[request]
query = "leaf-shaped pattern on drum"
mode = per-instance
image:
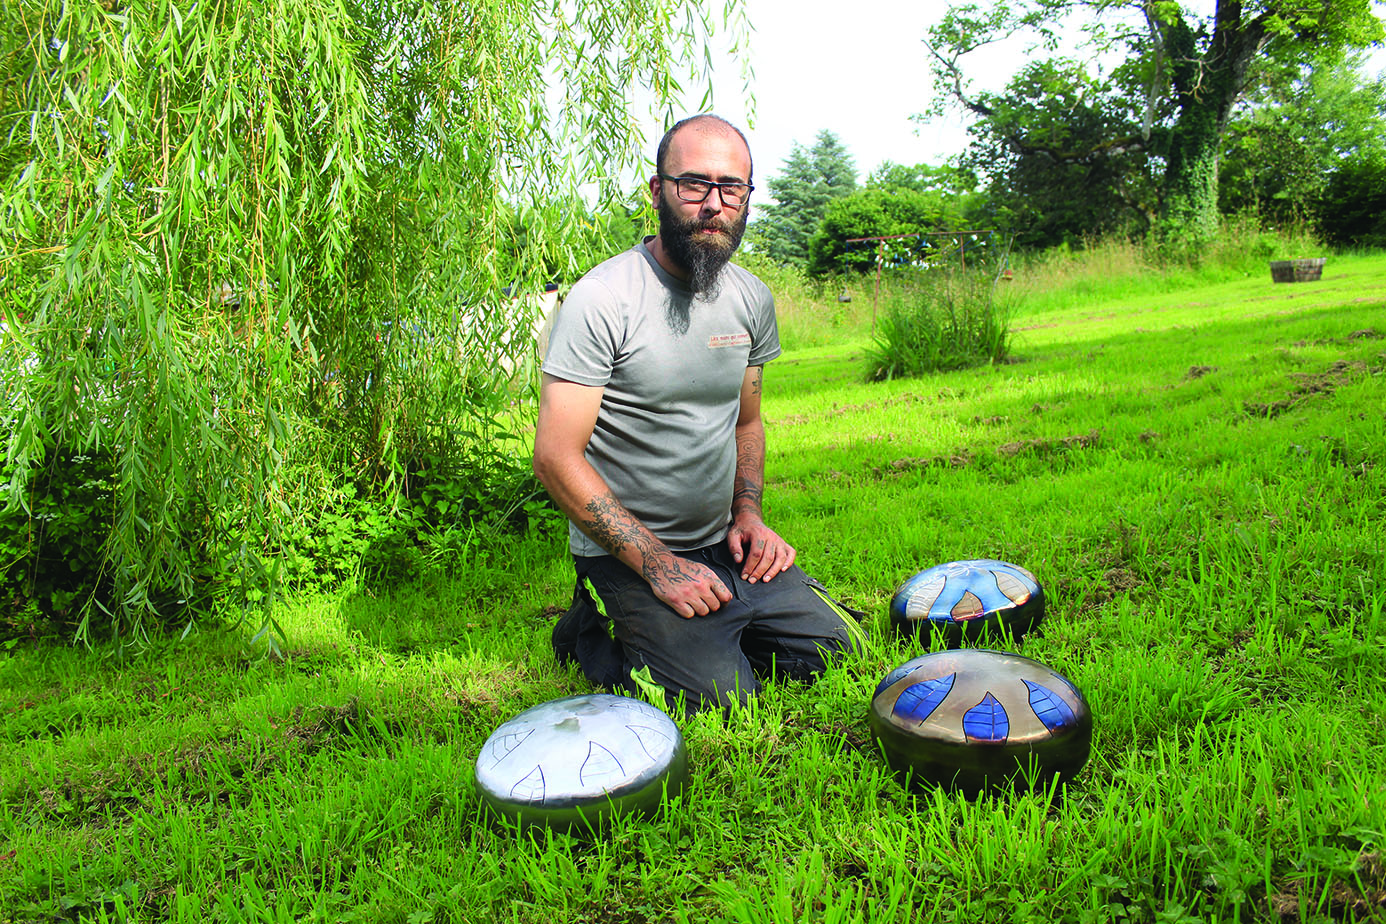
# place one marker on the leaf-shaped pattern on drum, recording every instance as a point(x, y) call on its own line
point(987, 722)
point(1050, 708)
point(900, 673)
point(531, 788)
point(656, 744)
point(503, 746)
point(919, 700)
point(600, 764)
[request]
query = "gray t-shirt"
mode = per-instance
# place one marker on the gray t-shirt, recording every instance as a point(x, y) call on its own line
point(665, 434)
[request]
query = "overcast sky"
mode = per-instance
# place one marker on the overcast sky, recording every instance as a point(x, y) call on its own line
point(860, 71)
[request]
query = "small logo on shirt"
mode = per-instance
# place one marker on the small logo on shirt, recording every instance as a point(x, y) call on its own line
point(719, 341)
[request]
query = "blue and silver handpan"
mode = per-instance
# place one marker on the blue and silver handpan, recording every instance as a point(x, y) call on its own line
point(573, 763)
point(966, 600)
point(972, 719)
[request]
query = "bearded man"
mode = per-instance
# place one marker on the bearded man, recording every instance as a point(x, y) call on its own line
point(650, 440)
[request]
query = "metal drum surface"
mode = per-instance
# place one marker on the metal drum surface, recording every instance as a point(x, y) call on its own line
point(971, 719)
point(965, 600)
point(574, 762)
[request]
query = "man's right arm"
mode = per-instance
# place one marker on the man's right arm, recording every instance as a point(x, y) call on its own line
point(567, 416)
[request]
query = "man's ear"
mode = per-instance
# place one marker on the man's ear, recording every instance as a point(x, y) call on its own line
point(655, 185)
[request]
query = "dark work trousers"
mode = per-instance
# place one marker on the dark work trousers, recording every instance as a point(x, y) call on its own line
point(781, 626)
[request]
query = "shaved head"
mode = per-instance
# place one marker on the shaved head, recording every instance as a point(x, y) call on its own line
point(704, 122)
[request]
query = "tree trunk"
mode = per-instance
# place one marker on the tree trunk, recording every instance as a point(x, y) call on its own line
point(1206, 86)
point(1189, 198)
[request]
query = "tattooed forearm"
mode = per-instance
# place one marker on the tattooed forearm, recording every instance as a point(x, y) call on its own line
point(747, 499)
point(748, 488)
point(617, 530)
point(611, 525)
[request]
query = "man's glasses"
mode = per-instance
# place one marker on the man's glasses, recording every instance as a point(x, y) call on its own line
point(694, 189)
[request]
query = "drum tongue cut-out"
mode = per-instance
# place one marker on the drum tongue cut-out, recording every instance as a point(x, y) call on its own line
point(574, 762)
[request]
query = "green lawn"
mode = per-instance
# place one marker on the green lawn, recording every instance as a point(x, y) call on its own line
point(1195, 472)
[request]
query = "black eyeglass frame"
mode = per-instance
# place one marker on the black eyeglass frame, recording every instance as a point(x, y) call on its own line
point(678, 182)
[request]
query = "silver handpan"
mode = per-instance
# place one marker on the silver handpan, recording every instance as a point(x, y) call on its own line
point(965, 600)
point(574, 762)
point(972, 719)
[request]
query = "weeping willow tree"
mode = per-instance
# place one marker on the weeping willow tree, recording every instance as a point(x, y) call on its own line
point(251, 243)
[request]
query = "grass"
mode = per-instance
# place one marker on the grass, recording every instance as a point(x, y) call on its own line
point(1195, 468)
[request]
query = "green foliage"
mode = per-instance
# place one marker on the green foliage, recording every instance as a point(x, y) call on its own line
point(249, 243)
point(1301, 126)
point(939, 320)
point(896, 201)
point(1057, 167)
point(809, 180)
point(872, 213)
point(1351, 212)
point(947, 178)
point(50, 557)
point(1183, 75)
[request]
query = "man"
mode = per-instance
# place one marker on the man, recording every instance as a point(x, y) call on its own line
point(650, 439)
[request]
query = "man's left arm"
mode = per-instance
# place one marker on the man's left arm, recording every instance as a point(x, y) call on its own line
point(758, 548)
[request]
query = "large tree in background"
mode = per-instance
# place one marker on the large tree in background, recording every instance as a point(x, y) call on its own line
point(257, 247)
point(808, 181)
point(1068, 180)
point(1195, 62)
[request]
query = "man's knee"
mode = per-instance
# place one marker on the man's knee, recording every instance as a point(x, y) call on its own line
point(805, 658)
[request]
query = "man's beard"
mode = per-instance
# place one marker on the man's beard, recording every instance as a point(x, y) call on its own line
point(700, 255)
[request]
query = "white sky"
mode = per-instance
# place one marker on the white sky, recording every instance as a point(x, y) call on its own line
point(860, 71)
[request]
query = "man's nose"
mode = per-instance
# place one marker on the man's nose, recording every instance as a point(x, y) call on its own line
point(711, 205)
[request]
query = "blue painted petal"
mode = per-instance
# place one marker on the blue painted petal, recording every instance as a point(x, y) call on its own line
point(898, 674)
point(1050, 709)
point(919, 701)
point(987, 721)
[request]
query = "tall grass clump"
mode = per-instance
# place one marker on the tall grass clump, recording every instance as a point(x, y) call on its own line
point(254, 247)
point(940, 319)
point(1115, 268)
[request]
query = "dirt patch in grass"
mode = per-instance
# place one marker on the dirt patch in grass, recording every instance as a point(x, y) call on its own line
point(1369, 333)
point(1311, 384)
point(1363, 899)
point(1044, 447)
point(901, 466)
point(1198, 372)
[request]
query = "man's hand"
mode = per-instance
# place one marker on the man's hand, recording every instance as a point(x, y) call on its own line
point(759, 550)
point(687, 587)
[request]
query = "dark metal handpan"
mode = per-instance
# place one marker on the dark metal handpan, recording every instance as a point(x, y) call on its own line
point(574, 762)
point(965, 600)
point(973, 719)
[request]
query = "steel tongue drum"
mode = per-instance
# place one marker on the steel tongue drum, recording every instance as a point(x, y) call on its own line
point(575, 762)
point(967, 600)
point(974, 719)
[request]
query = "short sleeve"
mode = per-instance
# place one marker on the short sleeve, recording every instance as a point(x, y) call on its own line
point(765, 330)
point(587, 335)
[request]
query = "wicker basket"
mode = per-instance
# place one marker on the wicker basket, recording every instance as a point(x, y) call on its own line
point(1307, 270)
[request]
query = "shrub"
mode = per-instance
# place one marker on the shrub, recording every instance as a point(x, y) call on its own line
point(1352, 210)
point(942, 319)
